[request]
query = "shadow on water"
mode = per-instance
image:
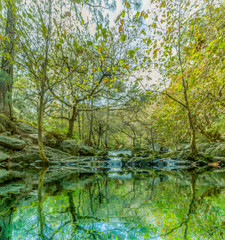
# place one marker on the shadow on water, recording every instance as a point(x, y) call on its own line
point(72, 203)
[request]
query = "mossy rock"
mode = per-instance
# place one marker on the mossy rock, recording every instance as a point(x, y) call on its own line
point(12, 143)
point(74, 148)
point(54, 139)
point(102, 153)
point(26, 127)
point(7, 124)
point(217, 150)
point(137, 150)
point(2, 128)
point(3, 156)
point(120, 155)
point(28, 157)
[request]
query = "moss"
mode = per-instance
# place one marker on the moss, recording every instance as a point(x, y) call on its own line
point(35, 125)
point(218, 150)
point(2, 128)
point(7, 123)
point(54, 139)
point(120, 155)
point(102, 152)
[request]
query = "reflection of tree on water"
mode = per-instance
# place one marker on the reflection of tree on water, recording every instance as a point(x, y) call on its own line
point(194, 202)
point(40, 202)
point(94, 206)
point(76, 217)
point(8, 205)
point(6, 217)
point(81, 222)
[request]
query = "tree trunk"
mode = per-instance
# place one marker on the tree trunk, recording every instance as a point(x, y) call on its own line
point(99, 138)
point(193, 148)
point(133, 141)
point(152, 140)
point(40, 126)
point(82, 126)
point(42, 90)
point(6, 82)
point(107, 126)
point(79, 127)
point(72, 121)
point(91, 124)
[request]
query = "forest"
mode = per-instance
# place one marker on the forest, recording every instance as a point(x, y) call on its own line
point(112, 122)
point(113, 75)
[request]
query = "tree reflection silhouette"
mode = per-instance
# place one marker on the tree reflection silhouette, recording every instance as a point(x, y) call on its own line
point(40, 202)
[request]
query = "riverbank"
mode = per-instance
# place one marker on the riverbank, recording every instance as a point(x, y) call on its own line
point(18, 145)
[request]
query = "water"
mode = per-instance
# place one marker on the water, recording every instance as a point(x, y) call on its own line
point(115, 153)
point(97, 203)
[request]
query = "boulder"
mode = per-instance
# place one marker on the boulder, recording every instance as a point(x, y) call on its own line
point(74, 148)
point(102, 152)
point(26, 128)
point(141, 151)
point(32, 155)
point(28, 157)
point(7, 124)
point(2, 128)
point(12, 143)
point(53, 139)
point(217, 150)
point(34, 138)
point(3, 156)
point(55, 154)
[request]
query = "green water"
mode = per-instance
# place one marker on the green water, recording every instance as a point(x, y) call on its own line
point(63, 203)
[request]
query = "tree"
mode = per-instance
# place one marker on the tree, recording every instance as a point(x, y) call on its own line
point(34, 56)
point(169, 21)
point(92, 69)
point(6, 74)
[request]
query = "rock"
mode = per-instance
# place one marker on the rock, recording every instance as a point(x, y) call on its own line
point(7, 124)
point(218, 149)
point(120, 155)
point(33, 155)
point(55, 154)
point(143, 151)
point(26, 128)
point(102, 153)
point(34, 138)
point(75, 148)
point(28, 141)
point(203, 147)
point(27, 157)
point(2, 128)
point(54, 139)
point(3, 156)
point(12, 143)
point(137, 150)
point(6, 134)
point(70, 147)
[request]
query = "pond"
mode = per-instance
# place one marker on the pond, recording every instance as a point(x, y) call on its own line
point(64, 202)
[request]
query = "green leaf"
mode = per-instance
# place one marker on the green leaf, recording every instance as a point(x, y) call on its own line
point(89, 43)
point(123, 38)
point(149, 41)
point(131, 53)
point(104, 32)
point(143, 32)
point(122, 13)
point(137, 14)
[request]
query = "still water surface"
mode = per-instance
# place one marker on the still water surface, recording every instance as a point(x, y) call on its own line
point(68, 203)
